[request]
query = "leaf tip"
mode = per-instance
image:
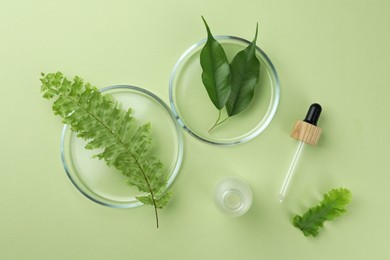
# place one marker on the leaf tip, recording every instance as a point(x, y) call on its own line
point(207, 27)
point(257, 29)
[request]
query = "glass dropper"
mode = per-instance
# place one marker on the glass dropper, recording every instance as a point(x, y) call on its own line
point(306, 132)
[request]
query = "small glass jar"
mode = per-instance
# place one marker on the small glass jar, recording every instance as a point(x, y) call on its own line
point(233, 196)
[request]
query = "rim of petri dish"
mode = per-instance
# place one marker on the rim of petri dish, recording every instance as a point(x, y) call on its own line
point(105, 185)
point(186, 89)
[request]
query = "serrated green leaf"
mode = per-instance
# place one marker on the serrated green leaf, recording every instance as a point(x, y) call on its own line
point(332, 205)
point(245, 71)
point(101, 121)
point(216, 70)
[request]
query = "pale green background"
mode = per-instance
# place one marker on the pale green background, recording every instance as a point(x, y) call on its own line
point(335, 52)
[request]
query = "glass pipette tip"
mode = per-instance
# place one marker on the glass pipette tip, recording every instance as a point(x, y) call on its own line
point(291, 171)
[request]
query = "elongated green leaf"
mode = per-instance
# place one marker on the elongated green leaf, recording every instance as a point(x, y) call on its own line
point(332, 205)
point(245, 71)
point(216, 70)
point(101, 121)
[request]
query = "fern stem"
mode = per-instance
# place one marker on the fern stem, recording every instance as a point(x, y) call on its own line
point(124, 145)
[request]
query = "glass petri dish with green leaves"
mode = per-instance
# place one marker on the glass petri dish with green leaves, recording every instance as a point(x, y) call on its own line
point(194, 110)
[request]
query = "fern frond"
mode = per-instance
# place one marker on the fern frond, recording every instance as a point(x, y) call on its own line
point(332, 205)
point(163, 200)
point(101, 121)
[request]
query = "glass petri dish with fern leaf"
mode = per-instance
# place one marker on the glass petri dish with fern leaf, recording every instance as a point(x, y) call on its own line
point(106, 185)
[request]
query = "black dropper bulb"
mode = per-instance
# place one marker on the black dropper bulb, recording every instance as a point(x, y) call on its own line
point(313, 114)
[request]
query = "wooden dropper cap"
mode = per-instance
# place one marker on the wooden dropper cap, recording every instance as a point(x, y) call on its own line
point(307, 130)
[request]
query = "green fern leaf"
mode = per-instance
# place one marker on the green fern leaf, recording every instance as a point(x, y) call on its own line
point(101, 121)
point(163, 199)
point(332, 205)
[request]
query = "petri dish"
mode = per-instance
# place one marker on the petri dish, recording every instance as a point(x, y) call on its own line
point(196, 113)
point(106, 185)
